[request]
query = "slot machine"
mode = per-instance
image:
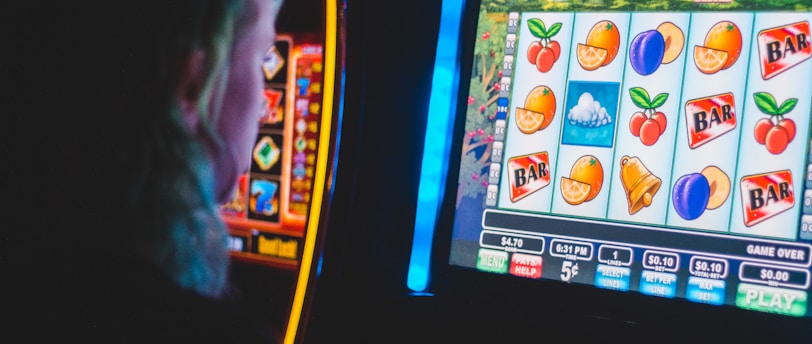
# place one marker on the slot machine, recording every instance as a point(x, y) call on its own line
point(274, 214)
point(634, 171)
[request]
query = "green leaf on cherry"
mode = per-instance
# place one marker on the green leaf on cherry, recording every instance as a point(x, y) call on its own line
point(766, 103)
point(787, 106)
point(537, 28)
point(658, 100)
point(554, 30)
point(640, 97)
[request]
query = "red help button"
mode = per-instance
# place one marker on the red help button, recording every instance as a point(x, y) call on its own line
point(525, 265)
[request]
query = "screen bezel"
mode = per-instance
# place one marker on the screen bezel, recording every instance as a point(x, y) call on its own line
point(558, 305)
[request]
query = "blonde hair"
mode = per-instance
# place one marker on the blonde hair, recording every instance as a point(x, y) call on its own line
point(196, 254)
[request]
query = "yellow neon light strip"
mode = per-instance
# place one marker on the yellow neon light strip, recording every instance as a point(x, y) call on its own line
point(321, 174)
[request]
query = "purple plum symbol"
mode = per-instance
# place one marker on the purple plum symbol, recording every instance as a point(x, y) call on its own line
point(647, 51)
point(690, 196)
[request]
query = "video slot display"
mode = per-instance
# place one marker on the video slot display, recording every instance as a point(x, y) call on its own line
point(665, 153)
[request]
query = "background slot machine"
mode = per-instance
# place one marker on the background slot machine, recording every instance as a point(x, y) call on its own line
point(274, 215)
point(612, 171)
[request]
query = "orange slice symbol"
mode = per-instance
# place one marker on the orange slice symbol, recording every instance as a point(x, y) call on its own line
point(528, 121)
point(573, 191)
point(709, 60)
point(591, 57)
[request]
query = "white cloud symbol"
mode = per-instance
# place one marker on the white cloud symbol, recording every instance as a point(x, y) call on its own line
point(588, 113)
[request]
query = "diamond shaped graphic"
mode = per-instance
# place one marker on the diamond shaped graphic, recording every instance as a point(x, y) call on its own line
point(266, 153)
point(301, 144)
point(272, 63)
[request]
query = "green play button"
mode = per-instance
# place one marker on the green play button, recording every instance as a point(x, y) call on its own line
point(771, 300)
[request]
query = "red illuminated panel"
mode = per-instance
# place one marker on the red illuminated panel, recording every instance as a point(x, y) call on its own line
point(302, 130)
point(525, 265)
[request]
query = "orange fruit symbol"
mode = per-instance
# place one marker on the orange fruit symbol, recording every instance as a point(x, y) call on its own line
point(574, 192)
point(588, 170)
point(709, 60)
point(538, 111)
point(724, 36)
point(528, 121)
point(605, 35)
point(591, 57)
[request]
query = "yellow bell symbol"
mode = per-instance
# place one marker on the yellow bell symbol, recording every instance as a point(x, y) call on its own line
point(639, 183)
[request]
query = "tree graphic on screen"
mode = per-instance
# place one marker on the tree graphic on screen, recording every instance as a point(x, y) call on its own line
point(481, 106)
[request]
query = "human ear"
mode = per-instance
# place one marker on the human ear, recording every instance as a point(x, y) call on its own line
point(190, 86)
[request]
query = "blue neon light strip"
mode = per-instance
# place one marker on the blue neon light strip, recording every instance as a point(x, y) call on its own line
point(437, 143)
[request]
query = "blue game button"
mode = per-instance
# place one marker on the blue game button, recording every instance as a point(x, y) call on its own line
point(612, 277)
point(705, 290)
point(658, 283)
point(501, 108)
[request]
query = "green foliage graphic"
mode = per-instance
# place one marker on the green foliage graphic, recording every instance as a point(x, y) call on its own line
point(483, 92)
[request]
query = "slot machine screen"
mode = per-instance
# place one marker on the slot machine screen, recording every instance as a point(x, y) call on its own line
point(268, 211)
point(654, 148)
point(274, 216)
